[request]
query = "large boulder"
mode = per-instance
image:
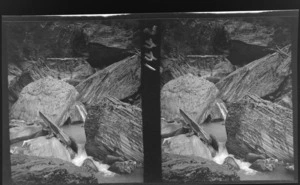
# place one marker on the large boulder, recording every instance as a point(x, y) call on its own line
point(261, 77)
point(264, 165)
point(187, 146)
point(258, 126)
point(44, 170)
point(192, 94)
point(120, 80)
point(56, 99)
point(114, 128)
point(182, 169)
point(71, 70)
point(125, 167)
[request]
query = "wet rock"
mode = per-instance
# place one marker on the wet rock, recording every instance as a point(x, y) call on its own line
point(264, 164)
point(216, 111)
point(231, 164)
point(190, 93)
point(54, 98)
point(187, 146)
point(251, 157)
point(177, 168)
point(255, 125)
point(125, 167)
point(290, 168)
point(109, 159)
point(258, 77)
point(168, 128)
point(285, 100)
point(43, 147)
point(120, 80)
point(89, 165)
point(44, 170)
point(114, 128)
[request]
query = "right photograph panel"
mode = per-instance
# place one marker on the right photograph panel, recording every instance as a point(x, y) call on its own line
point(226, 99)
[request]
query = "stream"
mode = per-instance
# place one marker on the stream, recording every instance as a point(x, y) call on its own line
point(246, 174)
point(104, 176)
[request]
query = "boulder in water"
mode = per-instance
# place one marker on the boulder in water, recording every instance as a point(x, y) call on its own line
point(251, 157)
point(54, 98)
point(89, 165)
point(264, 165)
point(183, 169)
point(125, 167)
point(231, 164)
point(190, 93)
point(290, 168)
point(110, 159)
point(114, 128)
point(187, 146)
point(44, 147)
point(35, 170)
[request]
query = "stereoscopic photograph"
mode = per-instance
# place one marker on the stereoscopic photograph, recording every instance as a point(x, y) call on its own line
point(226, 99)
point(74, 101)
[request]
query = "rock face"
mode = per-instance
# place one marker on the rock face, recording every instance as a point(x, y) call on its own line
point(251, 157)
point(261, 77)
point(259, 126)
point(43, 147)
point(114, 128)
point(43, 170)
point(120, 80)
point(54, 98)
point(89, 165)
point(190, 93)
point(187, 146)
point(125, 167)
point(177, 168)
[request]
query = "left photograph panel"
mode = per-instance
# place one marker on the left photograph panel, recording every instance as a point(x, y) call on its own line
point(74, 101)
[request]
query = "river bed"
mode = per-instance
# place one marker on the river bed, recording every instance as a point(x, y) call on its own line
point(246, 174)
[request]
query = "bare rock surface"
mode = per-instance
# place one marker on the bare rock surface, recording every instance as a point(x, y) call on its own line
point(187, 146)
point(177, 168)
point(54, 98)
point(125, 167)
point(120, 80)
point(258, 126)
point(114, 128)
point(190, 93)
point(29, 170)
point(43, 147)
point(261, 77)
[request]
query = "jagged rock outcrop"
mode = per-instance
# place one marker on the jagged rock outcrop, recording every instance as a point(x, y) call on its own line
point(54, 98)
point(44, 170)
point(190, 93)
point(120, 80)
point(259, 126)
point(182, 169)
point(114, 128)
point(187, 146)
point(261, 77)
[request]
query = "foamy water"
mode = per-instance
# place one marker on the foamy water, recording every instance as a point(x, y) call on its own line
point(82, 155)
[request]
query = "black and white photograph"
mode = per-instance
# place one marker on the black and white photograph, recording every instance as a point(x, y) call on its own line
point(74, 100)
point(226, 99)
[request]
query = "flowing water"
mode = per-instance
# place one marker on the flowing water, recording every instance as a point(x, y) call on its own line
point(218, 130)
point(104, 175)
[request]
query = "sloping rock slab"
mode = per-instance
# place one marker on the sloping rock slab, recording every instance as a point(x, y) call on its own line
point(114, 128)
point(31, 170)
point(54, 98)
point(261, 77)
point(120, 80)
point(187, 146)
point(176, 168)
point(190, 93)
point(259, 126)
